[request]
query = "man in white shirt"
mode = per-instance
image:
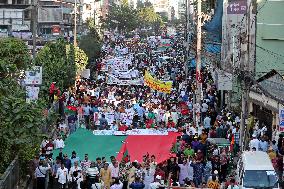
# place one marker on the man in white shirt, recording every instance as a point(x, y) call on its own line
point(114, 170)
point(73, 169)
point(254, 143)
point(86, 163)
point(191, 130)
point(204, 107)
point(43, 143)
point(148, 176)
point(157, 184)
point(59, 143)
point(62, 176)
point(40, 174)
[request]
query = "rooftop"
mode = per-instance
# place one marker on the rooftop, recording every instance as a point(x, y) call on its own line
point(256, 161)
point(273, 83)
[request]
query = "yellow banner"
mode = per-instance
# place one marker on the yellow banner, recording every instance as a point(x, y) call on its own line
point(156, 84)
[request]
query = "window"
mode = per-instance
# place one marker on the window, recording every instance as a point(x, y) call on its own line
point(260, 179)
point(20, 2)
point(3, 2)
point(27, 14)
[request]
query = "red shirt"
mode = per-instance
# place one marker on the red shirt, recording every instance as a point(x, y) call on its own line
point(52, 88)
point(171, 124)
point(123, 128)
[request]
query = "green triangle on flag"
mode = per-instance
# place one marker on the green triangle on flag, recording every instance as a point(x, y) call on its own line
point(70, 110)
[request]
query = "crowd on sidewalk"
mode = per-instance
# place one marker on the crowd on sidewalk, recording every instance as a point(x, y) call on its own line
point(196, 164)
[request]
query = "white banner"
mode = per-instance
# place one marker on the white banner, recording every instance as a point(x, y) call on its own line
point(34, 76)
point(130, 74)
point(86, 73)
point(108, 115)
point(112, 80)
point(134, 132)
point(31, 93)
point(119, 63)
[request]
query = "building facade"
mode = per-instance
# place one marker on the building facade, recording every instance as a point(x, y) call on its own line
point(270, 37)
point(50, 18)
point(15, 18)
point(266, 101)
point(162, 7)
point(238, 43)
point(181, 10)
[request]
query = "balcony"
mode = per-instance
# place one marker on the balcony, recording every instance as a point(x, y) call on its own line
point(15, 4)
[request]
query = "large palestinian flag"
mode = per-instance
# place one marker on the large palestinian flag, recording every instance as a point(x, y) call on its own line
point(85, 142)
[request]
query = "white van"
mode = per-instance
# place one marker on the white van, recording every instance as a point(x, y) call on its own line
point(255, 170)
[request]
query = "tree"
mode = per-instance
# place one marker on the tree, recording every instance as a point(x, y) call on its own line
point(20, 125)
point(125, 18)
point(140, 4)
point(91, 46)
point(122, 17)
point(20, 122)
point(14, 56)
point(91, 43)
point(81, 60)
point(148, 17)
point(60, 62)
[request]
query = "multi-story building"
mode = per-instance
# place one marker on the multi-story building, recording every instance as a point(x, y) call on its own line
point(238, 44)
point(181, 11)
point(268, 102)
point(269, 37)
point(14, 18)
point(162, 7)
point(50, 18)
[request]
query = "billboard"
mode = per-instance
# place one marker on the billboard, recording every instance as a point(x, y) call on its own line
point(34, 77)
point(237, 7)
point(50, 15)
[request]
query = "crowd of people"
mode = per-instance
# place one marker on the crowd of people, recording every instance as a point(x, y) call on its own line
point(101, 106)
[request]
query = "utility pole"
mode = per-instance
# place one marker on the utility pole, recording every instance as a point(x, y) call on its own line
point(230, 92)
point(186, 20)
point(75, 24)
point(187, 3)
point(34, 20)
point(198, 60)
point(246, 84)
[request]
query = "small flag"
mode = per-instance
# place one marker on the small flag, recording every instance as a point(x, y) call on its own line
point(70, 110)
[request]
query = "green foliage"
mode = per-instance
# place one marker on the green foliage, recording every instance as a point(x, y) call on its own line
point(57, 65)
point(126, 18)
point(60, 64)
point(148, 17)
point(14, 56)
point(20, 124)
point(81, 59)
point(91, 46)
point(122, 17)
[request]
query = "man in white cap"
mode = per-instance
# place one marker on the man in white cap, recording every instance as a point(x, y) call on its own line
point(254, 143)
point(216, 174)
point(157, 184)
